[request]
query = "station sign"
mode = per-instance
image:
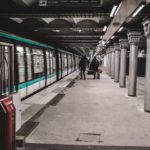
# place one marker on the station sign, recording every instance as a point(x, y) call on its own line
point(70, 3)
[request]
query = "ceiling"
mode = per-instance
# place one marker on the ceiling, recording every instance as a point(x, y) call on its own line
point(77, 28)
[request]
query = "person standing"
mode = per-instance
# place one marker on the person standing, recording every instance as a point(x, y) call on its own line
point(82, 66)
point(94, 66)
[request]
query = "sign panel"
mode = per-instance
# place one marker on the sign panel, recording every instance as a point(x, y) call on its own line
point(70, 3)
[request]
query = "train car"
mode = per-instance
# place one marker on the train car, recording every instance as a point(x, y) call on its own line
point(67, 63)
point(36, 65)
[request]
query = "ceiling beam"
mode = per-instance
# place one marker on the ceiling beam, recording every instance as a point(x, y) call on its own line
point(126, 9)
point(80, 44)
point(78, 41)
point(98, 29)
point(73, 36)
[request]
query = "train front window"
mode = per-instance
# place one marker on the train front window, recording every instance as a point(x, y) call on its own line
point(38, 61)
point(21, 63)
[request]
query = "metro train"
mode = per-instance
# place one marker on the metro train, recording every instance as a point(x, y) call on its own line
point(35, 66)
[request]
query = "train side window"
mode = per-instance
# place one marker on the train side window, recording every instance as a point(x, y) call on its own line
point(38, 61)
point(48, 62)
point(29, 63)
point(69, 60)
point(51, 62)
point(59, 55)
point(54, 62)
point(65, 61)
point(21, 63)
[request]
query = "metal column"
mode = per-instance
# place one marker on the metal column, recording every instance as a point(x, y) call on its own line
point(134, 38)
point(146, 25)
point(113, 63)
point(117, 62)
point(123, 57)
point(109, 68)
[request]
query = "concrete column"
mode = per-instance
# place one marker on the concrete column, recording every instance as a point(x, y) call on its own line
point(123, 58)
point(146, 25)
point(107, 62)
point(134, 38)
point(117, 62)
point(109, 68)
point(112, 63)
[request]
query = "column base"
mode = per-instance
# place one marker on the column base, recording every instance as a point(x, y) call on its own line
point(132, 95)
point(148, 111)
point(122, 86)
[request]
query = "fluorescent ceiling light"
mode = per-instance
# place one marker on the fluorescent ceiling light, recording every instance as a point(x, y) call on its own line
point(103, 42)
point(120, 29)
point(56, 30)
point(113, 11)
point(18, 20)
point(112, 37)
point(79, 30)
point(138, 10)
point(105, 28)
point(118, 8)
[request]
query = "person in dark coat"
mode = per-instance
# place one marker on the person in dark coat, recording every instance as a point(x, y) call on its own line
point(94, 66)
point(82, 66)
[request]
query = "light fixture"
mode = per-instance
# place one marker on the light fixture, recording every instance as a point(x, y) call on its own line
point(118, 8)
point(103, 42)
point(57, 30)
point(112, 37)
point(120, 29)
point(6, 47)
point(101, 37)
point(138, 10)
point(79, 30)
point(113, 10)
point(105, 28)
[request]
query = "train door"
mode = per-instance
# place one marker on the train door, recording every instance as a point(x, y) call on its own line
point(60, 65)
point(53, 66)
point(6, 69)
point(48, 64)
point(29, 70)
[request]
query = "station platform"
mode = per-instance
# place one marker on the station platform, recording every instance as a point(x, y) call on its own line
point(90, 114)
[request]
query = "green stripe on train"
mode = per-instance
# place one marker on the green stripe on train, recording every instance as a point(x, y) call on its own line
point(14, 37)
point(29, 83)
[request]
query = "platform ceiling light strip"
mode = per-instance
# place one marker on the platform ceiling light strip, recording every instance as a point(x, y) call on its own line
point(20, 39)
point(105, 28)
point(113, 10)
point(18, 20)
point(138, 10)
point(120, 29)
point(112, 37)
point(118, 8)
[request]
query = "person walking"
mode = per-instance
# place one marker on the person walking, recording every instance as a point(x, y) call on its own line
point(94, 66)
point(82, 66)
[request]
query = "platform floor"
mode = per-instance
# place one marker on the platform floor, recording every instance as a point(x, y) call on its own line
point(95, 112)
